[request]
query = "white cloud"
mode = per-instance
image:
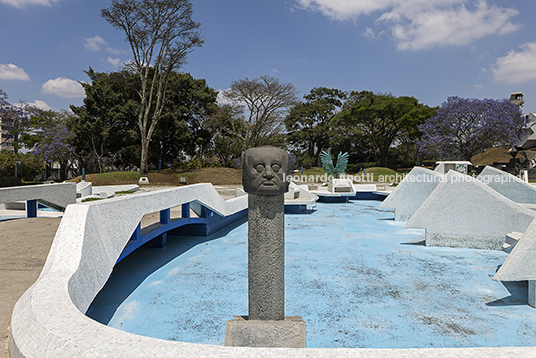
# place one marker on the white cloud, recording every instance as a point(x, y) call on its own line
point(63, 87)
point(453, 26)
point(517, 67)
point(41, 105)
point(221, 99)
point(419, 24)
point(114, 61)
point(94, 43)
point(22, 3)
point(10, 71)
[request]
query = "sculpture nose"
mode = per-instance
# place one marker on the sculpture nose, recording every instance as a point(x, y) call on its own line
point(269, 173)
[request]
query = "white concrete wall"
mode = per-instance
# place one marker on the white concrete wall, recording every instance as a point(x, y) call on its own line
point(61, 194)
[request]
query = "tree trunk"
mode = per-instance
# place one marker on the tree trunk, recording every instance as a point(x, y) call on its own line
point(144, 154)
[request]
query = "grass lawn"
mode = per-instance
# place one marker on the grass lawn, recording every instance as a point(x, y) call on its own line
point(216, 176)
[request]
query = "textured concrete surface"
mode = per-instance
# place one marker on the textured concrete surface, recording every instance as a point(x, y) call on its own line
point(287, 333)
point(521, 262)
point(266, 257)
point(59, 194)
point(411, 193)
point(464, 212)
point(508, 185)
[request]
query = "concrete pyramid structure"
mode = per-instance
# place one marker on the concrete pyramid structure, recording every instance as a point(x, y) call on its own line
point(508, 185)
point(521, 263)
point(412, 192)
point(464, 212)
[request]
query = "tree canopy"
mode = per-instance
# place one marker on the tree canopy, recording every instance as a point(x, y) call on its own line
point(464, 127)
point(267, 101)
point(382, 118)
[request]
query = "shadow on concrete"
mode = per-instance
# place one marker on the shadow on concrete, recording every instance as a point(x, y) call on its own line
point(518, 294)
point(418, 243)
point(129, 273)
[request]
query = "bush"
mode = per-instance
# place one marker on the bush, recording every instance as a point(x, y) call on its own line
point(10, 181)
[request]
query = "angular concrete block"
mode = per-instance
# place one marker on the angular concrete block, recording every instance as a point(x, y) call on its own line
point(508, 185)
point(289, 333)
point(412, 192)
point(520, 264)
point(464, 212)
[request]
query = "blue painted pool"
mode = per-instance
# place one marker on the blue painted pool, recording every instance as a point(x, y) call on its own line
point(356, 276)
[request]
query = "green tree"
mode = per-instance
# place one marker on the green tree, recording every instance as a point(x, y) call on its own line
point(308, 123)
point(105, 125)
point(161, 33)
point(182, 128)
point(383, 118)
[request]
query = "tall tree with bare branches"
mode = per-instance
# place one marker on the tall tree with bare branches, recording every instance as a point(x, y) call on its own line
point(161, 33)
point(267, 101)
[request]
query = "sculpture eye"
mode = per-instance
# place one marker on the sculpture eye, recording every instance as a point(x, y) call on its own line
point(275, 167)
point(259, 168)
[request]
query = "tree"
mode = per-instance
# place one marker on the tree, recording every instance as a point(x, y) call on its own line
point(267, 101)
point(308, 123)
point(463, 127)
point(382, 118)
point(55, 143)
point(161, 33)
point(105, 125)
point(16, 120)
point(182, 130)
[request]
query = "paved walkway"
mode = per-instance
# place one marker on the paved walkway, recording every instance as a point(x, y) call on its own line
point(25, 246)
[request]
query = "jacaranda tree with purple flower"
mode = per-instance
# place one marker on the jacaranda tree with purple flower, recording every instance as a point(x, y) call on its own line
point(463, 127)
point(55, 145)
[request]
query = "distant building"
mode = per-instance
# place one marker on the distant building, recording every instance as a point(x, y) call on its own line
point(517, 99)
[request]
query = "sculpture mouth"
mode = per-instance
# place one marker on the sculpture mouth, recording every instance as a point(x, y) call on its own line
point(268, 183)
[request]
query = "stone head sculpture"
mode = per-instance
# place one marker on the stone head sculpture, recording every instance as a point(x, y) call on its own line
point(265, 170)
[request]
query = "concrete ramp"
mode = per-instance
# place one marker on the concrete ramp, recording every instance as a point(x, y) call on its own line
point(464, 212)
point(508, 185)
point(412, 192)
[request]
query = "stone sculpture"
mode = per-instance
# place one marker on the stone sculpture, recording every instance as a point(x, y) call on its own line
point(265, 170)
point(327, 163)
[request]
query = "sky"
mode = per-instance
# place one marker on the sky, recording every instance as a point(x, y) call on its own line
point(428, 49)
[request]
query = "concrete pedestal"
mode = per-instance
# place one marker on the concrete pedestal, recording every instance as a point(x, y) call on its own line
point(287, 333)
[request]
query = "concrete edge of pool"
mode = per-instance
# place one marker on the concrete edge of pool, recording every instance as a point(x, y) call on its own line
point(49, 319)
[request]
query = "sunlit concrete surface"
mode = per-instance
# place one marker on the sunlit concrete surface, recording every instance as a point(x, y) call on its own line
point(356, 276)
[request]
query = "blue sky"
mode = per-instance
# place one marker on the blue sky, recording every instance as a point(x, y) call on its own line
point(429, 49)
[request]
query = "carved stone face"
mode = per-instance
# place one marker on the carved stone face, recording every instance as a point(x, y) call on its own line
point(264, 171)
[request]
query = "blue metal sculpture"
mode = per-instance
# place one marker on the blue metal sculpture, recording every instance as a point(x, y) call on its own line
point(327, 163)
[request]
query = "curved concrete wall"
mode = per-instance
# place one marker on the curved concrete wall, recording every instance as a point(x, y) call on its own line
point(49, 320)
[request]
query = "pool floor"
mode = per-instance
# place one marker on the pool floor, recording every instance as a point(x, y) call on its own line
point(356, 276)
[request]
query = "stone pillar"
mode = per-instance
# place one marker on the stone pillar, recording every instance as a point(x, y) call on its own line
point(266, 257)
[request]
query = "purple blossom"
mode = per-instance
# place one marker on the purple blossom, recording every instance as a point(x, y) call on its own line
point(463, 127)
